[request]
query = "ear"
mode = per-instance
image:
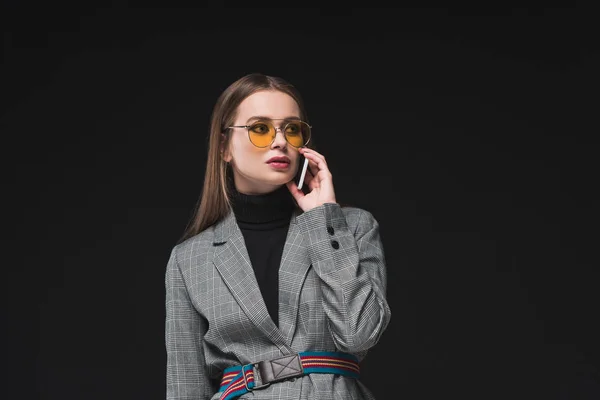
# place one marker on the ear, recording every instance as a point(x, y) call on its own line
point(224, 149)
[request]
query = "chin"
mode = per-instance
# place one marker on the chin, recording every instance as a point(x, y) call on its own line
point(279, 178)
point(281, 181)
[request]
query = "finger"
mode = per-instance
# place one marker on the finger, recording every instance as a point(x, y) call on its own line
point(319, 161)
point(312, 151)
point(295, 192)
point(312, 165)
point(316, 155)
point(309, 177)
point(322, 171)
point(313, 168)
point(313, 184)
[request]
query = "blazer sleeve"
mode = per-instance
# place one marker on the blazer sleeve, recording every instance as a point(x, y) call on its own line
point(352, 269)
point(184, 330)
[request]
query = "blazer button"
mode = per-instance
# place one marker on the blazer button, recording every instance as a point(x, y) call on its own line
point(335, 244)
point(330, 230)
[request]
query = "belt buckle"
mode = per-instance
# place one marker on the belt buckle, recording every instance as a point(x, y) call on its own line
point(278, 369)
point(255, 387)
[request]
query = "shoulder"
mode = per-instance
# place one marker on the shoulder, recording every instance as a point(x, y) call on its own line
point(192, 248)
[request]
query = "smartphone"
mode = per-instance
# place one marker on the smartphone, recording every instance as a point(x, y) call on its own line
point(303, 165)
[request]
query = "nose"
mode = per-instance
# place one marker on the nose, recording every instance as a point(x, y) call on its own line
point(279, 141)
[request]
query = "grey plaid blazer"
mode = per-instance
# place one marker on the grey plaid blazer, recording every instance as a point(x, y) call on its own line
point(332, 297)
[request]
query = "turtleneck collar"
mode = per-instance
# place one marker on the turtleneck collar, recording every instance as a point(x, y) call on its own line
point(274, 207)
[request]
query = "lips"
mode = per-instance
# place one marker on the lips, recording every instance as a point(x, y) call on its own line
point(278, 160)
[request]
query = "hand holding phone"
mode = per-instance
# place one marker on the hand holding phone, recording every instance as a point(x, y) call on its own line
point(320, 190)
point(301, 171)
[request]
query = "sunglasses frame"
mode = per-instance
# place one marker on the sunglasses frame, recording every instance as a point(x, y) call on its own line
point(247, 127)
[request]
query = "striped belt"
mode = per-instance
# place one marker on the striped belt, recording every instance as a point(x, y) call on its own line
point(242, 379)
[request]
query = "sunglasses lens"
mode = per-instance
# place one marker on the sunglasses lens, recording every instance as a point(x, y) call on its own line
point(261, 133)
point(297, 133)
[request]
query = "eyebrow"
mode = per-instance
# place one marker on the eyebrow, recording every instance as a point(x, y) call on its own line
point(272, 119)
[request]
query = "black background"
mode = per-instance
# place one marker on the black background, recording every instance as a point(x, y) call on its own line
point(468, 133)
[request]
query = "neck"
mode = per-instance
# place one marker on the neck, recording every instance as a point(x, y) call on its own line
point(277, 205)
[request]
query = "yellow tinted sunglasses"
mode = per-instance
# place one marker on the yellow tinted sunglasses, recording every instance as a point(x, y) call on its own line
point(262, 132)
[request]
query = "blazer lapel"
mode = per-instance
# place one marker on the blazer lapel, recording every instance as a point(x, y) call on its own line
point(233, 263)
point(295, 264)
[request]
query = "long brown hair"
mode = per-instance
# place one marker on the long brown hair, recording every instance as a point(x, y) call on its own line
point(214, 202)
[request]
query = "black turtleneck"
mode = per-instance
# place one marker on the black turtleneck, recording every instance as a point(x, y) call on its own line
point(264, 221)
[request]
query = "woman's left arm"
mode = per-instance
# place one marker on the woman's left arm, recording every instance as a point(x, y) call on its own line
point(352, 268)
point(350, 262)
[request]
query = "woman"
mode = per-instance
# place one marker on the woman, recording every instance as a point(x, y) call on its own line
point(273, 292)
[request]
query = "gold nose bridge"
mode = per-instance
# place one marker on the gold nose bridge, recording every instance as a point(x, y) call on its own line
point(280, 129)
